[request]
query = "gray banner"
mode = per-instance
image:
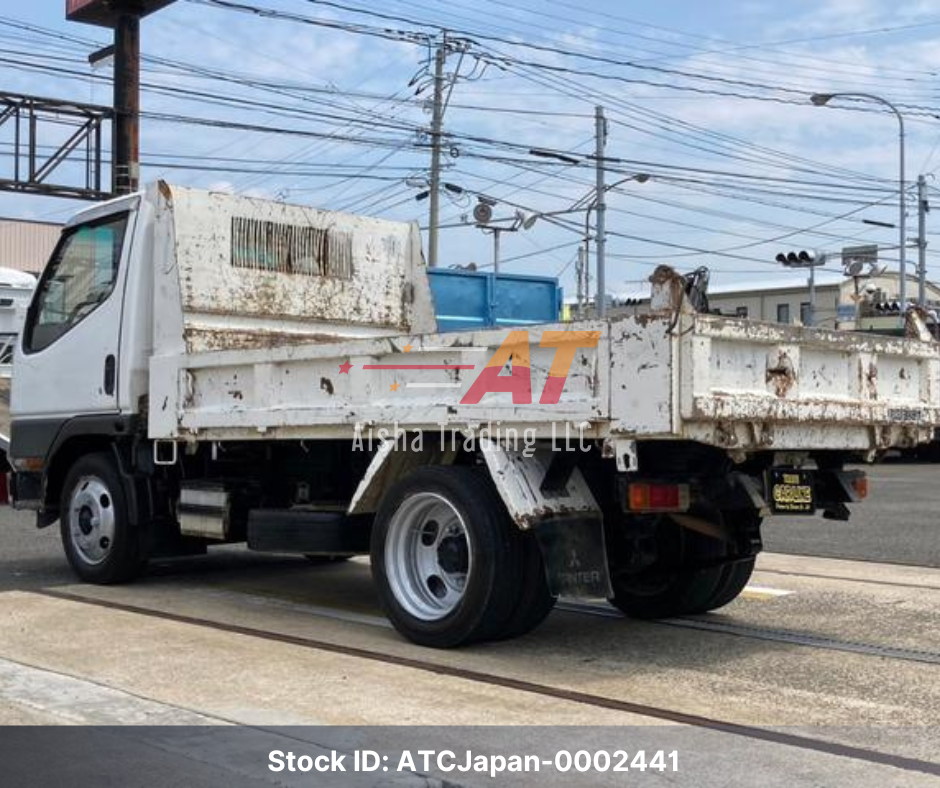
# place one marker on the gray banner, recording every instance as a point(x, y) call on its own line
point(238, 757)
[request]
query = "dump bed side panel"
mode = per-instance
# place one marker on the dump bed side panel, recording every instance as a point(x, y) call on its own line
point(731, 383)
point(417, 382)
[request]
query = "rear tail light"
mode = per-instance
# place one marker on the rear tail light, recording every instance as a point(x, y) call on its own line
point(653, 497)
point(860, 485)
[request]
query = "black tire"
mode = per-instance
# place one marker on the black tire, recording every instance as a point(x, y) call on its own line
point(494, 557)
point(671, 586)
point(736, 573)
point(735, 577)
point(98, 553)
point(536, 600)
point(323, 560)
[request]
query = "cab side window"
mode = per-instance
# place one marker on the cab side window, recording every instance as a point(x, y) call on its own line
point(79, 277)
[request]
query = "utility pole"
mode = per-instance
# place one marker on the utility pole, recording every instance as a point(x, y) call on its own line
point(812, 296)
point(922, 207)
point(126, 145)
point(579, 275)
point(437, 122)
point(600, 208)
point(122, 16)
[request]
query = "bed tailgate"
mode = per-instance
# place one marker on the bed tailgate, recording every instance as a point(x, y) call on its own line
point(748, 384)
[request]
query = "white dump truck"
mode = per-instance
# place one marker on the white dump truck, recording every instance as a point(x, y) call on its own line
point(199, 368)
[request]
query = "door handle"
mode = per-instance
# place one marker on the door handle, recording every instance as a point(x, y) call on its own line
point(109, 370)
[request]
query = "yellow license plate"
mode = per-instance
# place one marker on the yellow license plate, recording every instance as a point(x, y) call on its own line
point(791, 491)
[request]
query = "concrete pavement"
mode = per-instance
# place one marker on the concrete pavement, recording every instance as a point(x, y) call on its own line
point(73, 661)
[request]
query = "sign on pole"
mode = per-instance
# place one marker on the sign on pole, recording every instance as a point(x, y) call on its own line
point(106, 12)
point(856, 257)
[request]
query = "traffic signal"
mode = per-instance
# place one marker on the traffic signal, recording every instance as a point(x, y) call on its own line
point(805, 258)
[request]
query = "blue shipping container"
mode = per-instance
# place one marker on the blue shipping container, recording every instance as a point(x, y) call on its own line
point(477, 299)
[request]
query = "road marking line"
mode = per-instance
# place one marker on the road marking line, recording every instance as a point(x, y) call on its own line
point(763, 592)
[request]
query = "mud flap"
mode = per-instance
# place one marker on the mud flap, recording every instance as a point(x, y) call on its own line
point(575, 556)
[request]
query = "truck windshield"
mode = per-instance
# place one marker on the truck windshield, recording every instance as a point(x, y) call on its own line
point(79, 277)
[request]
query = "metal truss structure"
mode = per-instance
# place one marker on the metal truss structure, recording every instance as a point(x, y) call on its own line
point(34, 164)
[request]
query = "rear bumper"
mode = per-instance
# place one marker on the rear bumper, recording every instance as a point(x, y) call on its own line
point(830, 490)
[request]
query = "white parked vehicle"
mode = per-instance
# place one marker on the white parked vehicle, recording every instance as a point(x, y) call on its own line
point(16, 290)
point(199, 368)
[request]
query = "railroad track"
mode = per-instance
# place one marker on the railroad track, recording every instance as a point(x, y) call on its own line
point(782, 738)
point(701, 623)
point(775, 635)
point(863, 580)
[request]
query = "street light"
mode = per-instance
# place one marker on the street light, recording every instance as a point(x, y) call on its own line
point(599, 205)
point(820, 100)
point(483, 215)
point(590, 202)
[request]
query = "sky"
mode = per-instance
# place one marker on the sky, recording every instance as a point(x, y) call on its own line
point(327, 104)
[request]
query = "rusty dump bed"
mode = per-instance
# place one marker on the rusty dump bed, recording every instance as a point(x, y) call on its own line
point(259, 307)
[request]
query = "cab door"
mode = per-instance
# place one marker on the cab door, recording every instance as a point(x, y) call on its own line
point(67, 360)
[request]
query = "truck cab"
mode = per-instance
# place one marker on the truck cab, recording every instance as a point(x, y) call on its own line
point(80, 363)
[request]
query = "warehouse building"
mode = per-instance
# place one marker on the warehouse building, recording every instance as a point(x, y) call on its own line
point(25, 245)
point(847, 303)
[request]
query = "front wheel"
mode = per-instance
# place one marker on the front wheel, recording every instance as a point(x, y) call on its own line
point(100, 543)
point(446, 558)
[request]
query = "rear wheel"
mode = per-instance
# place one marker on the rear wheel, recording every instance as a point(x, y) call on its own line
point(446, 558)
point(736, 576)
point(736, 571)
point(100, 543)
point(536, 600)
point(690, 572)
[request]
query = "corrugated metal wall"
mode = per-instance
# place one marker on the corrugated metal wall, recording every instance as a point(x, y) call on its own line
point(26, 245)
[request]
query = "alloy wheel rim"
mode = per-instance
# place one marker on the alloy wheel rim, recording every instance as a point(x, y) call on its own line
point(91, 520)
point(427, 556)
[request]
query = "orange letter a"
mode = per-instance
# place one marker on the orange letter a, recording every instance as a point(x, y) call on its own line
point(519, 383)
